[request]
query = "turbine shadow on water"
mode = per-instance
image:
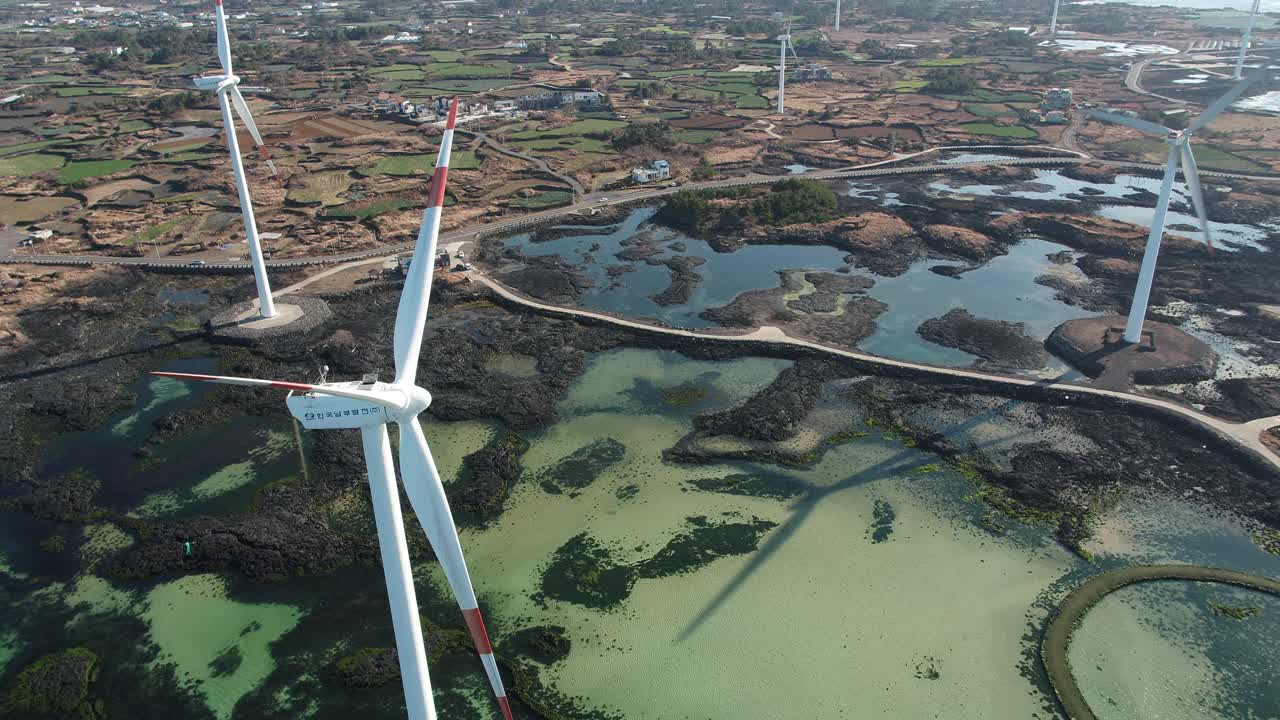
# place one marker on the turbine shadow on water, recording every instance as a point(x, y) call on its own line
point(899, 463)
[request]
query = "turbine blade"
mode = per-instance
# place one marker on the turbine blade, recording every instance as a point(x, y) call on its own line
point(426, 495)
point(384, 398)
point(242, 109)
point(224, 43)
point(1135, 123)
point(1191, 174)
point(412, 312)
point(1220, 104)
point(398, 572)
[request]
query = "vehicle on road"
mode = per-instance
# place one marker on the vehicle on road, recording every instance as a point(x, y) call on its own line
point(199, 262)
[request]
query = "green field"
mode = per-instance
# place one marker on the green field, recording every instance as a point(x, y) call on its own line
point(186, 157)
point(909, 85)
point(988, 109)
point(455, 71)
point(751, 102)
point(584, 144)
point(695, 137)
point(47, 131)
point(81, 90)
point(950, 62)
point(1207, 156)
point(579, 127)
point(132, 126)
point(464, 160)
point(542, 200)
point(53, 79)
point(440, 86)
point(154, 232)
point(697, 72)
point(1009, 131)
point(352, 212)
point(401, 165)
point(442, 56)
point(413, 74)
point(992, 96)
point(24, 147)
point(30, 164)
point(85, 169)
point(482, 52)
point(177, 146)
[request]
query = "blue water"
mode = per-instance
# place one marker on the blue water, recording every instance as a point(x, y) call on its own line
point(724, 275)
point(1002, 289)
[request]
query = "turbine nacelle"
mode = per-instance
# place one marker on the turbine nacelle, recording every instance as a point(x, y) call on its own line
point(361, 405)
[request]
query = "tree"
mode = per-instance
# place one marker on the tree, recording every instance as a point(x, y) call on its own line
point(703, 170)
point(952, 81)
point(657, 134)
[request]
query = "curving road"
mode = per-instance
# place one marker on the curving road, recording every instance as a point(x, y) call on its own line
point(1057, 635)
point(1244, 435)
point(881, 168)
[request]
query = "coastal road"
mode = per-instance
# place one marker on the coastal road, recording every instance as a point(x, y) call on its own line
point(1245, 435)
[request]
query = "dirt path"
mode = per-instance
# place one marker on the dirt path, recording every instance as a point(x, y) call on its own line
point(1057, 635)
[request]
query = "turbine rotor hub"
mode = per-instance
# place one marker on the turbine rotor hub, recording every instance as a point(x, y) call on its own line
point(418, 399)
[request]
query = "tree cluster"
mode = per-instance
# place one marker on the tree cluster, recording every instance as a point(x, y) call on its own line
point(787, 203)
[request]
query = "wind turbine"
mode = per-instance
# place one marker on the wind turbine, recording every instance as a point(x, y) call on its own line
point(837, 24)
point(785, 39)
point(226, 87)
point(1053, 22)
point(1244, 42)
point(370, 405)
point(1179, 149)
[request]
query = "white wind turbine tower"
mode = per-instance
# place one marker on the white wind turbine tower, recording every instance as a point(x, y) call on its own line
point(1244, 41)
point(226, 87)
point(837, 23)
point(370, 405)
point(1179, 149)
point(785, 39)
point(1053, 22)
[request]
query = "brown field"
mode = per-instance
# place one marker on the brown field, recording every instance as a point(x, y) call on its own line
point(20, 210)
point(880, 131)
point(95, 194)
point(332, 126)
point(814, 132)
point(709, 121)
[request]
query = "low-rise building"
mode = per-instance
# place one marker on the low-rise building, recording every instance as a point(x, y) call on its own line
point(811, 72)
point(656, 170)
point(1056, 99)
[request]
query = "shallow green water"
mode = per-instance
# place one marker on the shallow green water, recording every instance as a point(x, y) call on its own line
point(876, 594)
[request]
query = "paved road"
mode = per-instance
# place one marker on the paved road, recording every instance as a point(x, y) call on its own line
point(1133, 79)
point(1245, 435)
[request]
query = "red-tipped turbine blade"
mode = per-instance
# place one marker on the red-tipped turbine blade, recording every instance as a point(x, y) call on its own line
point(225, 380)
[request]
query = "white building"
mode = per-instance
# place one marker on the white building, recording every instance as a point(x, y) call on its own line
point(656, 170)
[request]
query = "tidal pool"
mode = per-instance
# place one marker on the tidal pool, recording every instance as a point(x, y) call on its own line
point(724, 275)
point(874, 588)
point(821, 621)
point(1167, 649)
point(1002, 289)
